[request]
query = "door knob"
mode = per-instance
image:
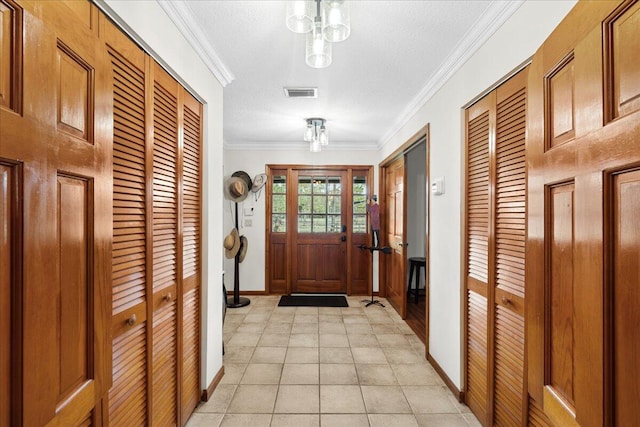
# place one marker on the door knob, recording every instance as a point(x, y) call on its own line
point(131, 320)
point(167, 297)
point(343, 238)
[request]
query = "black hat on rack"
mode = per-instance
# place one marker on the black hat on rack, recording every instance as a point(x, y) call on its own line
point(244, 247)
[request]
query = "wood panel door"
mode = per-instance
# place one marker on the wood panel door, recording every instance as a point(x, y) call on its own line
point(395, 218)
point(495, 254)
point(56, 133)
point(283, 201)
point(584, 245)
point(9, 278)
point(320, 231)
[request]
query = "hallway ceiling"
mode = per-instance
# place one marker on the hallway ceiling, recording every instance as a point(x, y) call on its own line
point(398, 55)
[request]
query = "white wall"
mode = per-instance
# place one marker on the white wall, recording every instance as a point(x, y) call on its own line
point(252, 269)
point(512, 44)
point(149, 22)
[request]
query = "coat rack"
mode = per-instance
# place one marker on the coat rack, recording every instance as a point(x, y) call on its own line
point(236, 300)
point(372, 249)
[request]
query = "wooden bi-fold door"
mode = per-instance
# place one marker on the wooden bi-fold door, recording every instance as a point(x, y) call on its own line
point(99, 225)
point(55, 169)
point(156, 241)
point(583, 256)
point(495, 200)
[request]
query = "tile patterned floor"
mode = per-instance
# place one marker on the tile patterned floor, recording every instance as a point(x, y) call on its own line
point(309, 366)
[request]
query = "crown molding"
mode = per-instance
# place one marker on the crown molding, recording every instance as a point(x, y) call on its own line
point(496, 14)
point(181, 16)
point(296, 146)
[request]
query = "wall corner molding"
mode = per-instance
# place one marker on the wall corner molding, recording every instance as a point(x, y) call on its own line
point(491, 20)
point(179, 14)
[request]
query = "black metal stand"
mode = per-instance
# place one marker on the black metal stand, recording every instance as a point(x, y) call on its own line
point(384, 250)
point(236, 300)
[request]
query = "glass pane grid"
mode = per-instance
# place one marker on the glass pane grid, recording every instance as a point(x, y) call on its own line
point(319, 204)
point(279, 204)
point(359, 197)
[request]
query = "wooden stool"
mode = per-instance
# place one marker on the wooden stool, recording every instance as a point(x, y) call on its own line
point(414, 262)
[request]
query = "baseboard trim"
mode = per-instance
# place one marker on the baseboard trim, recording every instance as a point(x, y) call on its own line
point(457, 393)
point(230, 293)
point(208, 392)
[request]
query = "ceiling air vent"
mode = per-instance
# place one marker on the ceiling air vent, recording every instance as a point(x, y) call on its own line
point(301, 92)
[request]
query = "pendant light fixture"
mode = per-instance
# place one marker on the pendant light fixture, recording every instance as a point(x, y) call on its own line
point(316, 134)
point(336, 22)
point(324, 22)
point(318, 50)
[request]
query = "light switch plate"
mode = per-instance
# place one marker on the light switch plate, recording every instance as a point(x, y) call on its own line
point(437, 186)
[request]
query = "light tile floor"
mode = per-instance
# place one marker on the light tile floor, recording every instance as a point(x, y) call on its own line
point(310, 366)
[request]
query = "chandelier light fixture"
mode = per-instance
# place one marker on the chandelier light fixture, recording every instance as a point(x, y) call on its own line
point(324, 22)
point(316, 134)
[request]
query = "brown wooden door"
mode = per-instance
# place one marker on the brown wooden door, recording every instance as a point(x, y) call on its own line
point(156, 240)
point(56, 133)
point(319, 232)
point(495, 254)
point(584, 244)
point(166, 248)
point(191, 229)
point(480, 119)
point(128, 395)
point(282, 216)
point(8, 346)
point(395, 271)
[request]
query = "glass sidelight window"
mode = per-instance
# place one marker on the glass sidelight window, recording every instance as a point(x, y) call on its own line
point(319, 204)
point(279, 204)
point(359, 204)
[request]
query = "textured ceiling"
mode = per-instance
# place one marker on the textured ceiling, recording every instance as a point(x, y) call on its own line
point(398, 54)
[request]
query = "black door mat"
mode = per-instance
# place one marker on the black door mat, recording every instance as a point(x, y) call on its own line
point(313, 301)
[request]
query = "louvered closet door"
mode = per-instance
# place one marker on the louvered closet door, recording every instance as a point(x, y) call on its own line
point(191, 264)
point(128, 396)
point(496, 217)
point(510, 210)
point(480, 121)
point(165, 248)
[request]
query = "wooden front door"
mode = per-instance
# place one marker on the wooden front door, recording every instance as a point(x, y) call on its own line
point(395, 271)
point(55, 165)
point(584, 212)
point(320, 231)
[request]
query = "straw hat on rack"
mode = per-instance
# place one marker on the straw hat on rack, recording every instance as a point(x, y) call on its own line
point(231, 243)
point(235, 189)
